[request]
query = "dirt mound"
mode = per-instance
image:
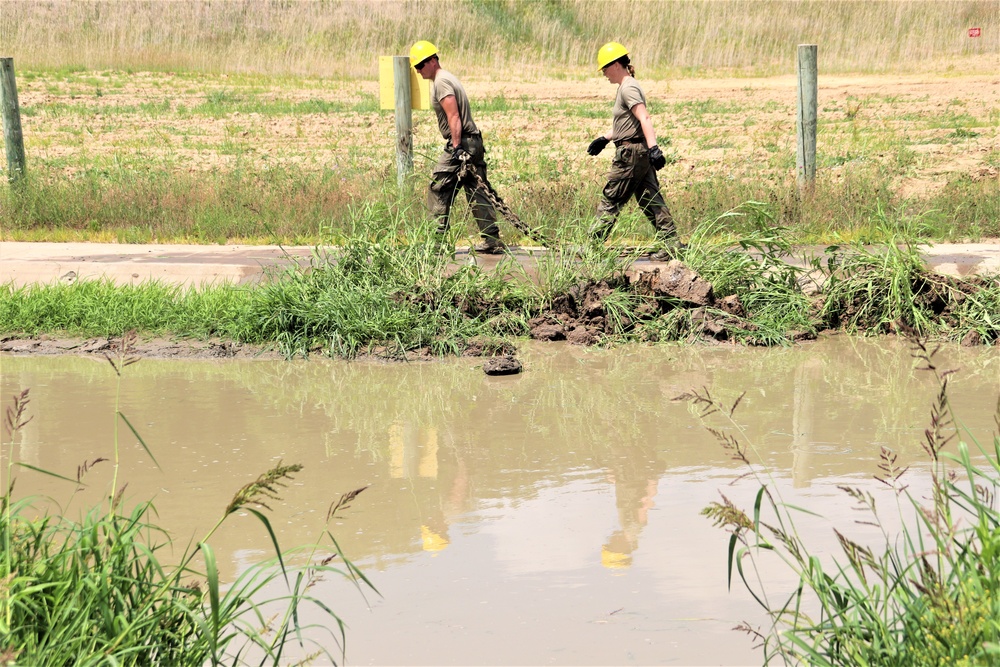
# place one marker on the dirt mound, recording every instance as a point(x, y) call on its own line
point(589, 311)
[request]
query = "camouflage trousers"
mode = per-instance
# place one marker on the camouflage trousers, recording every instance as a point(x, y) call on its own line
point(631, 175)
point(445, 183)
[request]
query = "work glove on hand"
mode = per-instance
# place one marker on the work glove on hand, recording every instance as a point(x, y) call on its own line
point(597, 145)
point(459, 154)
point(656, 158)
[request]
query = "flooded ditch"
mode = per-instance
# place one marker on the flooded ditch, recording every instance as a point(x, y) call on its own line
point(546, 518)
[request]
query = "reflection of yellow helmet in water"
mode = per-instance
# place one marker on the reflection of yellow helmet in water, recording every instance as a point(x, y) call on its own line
point(615, 560)
point(609, 53)
point(421, 51)
point(433, 542)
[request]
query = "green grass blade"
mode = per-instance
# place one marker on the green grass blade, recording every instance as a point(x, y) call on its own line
point(21, 464)
point(274, 540)
point(212, 577)
point(139, 438)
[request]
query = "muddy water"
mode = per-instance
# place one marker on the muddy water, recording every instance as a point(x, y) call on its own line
point(551, 517)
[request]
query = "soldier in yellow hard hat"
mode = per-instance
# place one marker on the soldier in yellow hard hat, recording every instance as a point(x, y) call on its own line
point(635, 470)
point(637, 157)
point(463, 144)
point(432, 540)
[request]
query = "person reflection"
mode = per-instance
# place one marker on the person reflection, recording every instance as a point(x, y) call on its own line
point(635, 471)
point(808, 376)
point(438, 477)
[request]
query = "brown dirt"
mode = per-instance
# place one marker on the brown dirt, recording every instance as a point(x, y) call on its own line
point(152, 348)
point(748, 122)
point(163, 348)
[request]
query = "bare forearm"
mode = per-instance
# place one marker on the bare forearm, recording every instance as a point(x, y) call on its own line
point(455, 125)
point(647, 131)
point(646, 123)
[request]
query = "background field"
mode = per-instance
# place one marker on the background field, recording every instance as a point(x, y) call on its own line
point(258, 121)
point(508, 39)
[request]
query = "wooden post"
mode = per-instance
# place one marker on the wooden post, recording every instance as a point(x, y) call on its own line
point(805, 161)
point(12, 137)
point(404, 118)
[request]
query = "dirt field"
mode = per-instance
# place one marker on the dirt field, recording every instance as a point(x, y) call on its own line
point(928, 129)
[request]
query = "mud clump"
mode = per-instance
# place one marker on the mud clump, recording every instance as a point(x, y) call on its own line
point(505, 365)
point(584, 315)
point(676, 280)
point(543, 329)
point(481, 346)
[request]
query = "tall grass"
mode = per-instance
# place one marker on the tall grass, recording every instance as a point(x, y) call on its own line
point(105, 589)
point(296, 206)
point(283, 205)
point(342, 39)
point(390, 289)
point(925, 593)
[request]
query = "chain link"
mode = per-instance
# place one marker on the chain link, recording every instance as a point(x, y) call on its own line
point(500, 205)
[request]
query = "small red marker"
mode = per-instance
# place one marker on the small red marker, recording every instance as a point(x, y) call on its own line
point(974, 32)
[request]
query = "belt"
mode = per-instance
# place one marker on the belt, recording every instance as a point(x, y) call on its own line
point(622, 142)
point(477, 135)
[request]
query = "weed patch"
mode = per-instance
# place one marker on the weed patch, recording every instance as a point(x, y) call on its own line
point(924, 593)
point(392, 289)
point(103, 588)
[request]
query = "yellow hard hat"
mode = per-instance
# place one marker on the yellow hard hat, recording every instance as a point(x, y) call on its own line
point(615, 560)
point(421, 51)
point(433, 541)
point(607, 54)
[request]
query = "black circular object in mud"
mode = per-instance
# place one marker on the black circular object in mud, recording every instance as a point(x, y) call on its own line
point(505, 365)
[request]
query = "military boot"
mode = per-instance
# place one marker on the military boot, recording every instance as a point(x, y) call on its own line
point(668, 243)
point(671, 248)
point(491, 245)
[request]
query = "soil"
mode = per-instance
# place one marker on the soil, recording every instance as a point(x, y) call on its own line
point(672, 293)
point(716, 126)
point(165, 348)
point(152, 348)
point(581, 316)
point(706, 141)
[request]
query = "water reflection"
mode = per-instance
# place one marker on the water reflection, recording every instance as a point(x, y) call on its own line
point(565, 498)
point(635, 473)
point(416, 455)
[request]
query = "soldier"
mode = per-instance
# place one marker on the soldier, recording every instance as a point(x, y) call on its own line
point(464, 144)
point(637, 157)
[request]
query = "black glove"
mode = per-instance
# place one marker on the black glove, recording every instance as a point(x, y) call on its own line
point(656, 158)
point(597, 145)
point(459, 154)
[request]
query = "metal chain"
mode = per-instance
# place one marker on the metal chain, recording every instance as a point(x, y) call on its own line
point(500, 205)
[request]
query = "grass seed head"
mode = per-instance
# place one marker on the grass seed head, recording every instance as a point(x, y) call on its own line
point(264, 488)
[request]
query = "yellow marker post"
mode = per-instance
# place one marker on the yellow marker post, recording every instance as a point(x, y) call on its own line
point(420, 88)
point(402, 89)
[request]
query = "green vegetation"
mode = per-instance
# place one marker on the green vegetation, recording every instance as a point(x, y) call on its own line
point(290, 205)
point(555, 37)
point(105, 589)
point(255, 127)
point(390, 290)
point(924, 592)
point(258, 159)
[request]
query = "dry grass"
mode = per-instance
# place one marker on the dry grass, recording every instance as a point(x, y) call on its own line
point(508, 38)
point(209, 158)
point(259, 121)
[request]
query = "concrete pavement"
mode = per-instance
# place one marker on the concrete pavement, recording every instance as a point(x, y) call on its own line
point(24, 263)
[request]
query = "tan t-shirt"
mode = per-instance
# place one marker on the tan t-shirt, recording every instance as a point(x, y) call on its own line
point(624, 125)
point(445, 84)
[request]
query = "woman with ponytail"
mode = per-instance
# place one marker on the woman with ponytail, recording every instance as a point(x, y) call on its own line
point(637, 157)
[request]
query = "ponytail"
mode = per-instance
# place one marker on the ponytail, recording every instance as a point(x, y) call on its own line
point(626, 63)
